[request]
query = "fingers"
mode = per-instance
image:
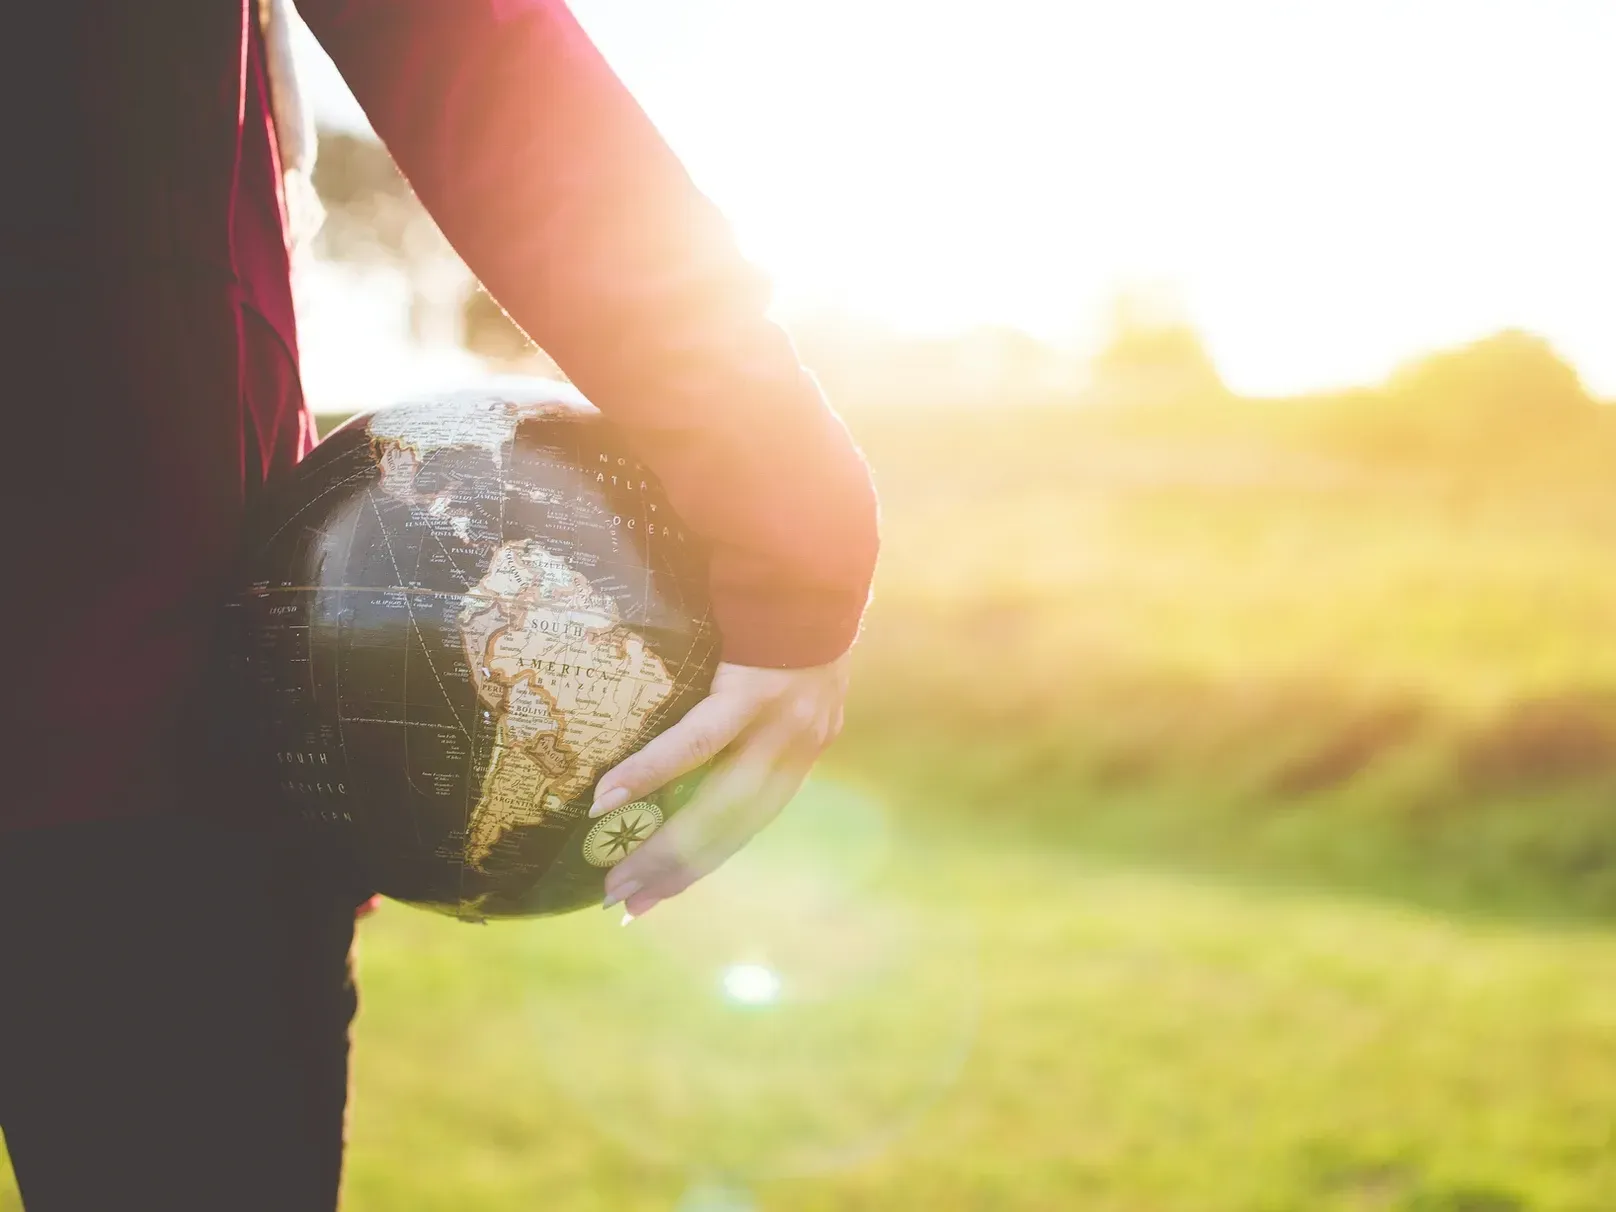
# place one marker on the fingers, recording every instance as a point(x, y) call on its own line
point(734, 803)
point(695, 740)
point(761, 729)
point(677, 845)
point(712, 849)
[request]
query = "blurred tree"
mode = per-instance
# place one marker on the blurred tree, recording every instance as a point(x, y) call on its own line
point(487, 331)
point(1152, 355)
point(372, 215)
point(375, 222)
point(1511, 376)
point(492, 335)
point(1506, 405)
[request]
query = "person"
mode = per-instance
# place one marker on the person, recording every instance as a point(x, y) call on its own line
point(175, 997)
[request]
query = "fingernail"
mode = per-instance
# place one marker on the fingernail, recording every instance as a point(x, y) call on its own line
point(627, 918)
point(615, 798)
point(624, 891)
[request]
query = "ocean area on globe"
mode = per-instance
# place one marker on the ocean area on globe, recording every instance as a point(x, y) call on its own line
point(458, 613)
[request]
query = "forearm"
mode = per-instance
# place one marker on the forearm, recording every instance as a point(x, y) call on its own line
point(563, 198)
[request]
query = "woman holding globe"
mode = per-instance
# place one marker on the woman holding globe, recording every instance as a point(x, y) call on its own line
point(175, 999)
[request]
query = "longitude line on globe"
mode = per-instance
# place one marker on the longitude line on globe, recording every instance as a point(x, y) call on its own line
point(504, 459)
point(415, 626)
point(338, 655)
point(409, 777)
point(308, 636)
point(432, 530)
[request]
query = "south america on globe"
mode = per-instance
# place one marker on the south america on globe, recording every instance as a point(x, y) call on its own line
point(459, 613)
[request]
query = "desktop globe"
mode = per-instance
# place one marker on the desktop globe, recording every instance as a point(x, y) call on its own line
point(459, 613)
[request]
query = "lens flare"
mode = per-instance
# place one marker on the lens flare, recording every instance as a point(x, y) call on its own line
point(751, 984)
point(792, 1014)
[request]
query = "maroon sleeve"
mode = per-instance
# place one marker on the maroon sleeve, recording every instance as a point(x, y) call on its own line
point(563, 198)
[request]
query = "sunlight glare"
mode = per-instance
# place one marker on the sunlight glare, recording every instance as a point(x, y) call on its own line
point(751, 984)
point(1331, 187)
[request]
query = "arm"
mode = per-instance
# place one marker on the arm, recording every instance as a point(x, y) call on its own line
point(564, 200)
point(562, 197)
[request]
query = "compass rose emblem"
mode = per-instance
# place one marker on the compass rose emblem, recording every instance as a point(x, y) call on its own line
point(618, 834)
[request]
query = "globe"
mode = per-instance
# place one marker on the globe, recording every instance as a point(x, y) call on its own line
point(459, 613)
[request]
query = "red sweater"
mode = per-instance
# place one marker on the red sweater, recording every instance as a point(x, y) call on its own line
point(150, 348)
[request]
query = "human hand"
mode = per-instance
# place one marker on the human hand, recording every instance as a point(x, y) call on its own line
point(762, 730)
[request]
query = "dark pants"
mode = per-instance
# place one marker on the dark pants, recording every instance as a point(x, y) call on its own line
point(175, 1000)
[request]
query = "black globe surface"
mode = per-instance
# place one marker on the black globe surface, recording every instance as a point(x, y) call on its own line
point(460, 613)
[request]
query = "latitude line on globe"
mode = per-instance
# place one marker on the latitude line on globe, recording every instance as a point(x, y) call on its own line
point(370, 719)
point(361, 474)
point(419, 590)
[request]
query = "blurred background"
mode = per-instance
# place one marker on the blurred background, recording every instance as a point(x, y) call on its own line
point(1226, 815)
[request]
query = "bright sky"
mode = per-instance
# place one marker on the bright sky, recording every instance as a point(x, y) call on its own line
point(1326, 186)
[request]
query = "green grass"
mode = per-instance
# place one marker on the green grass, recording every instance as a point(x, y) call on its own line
point(1235, 830)
point(1134, 1042)
point(1225, 638)
point(1138, 1042)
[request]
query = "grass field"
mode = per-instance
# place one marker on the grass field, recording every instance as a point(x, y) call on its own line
point(1145, 1042)
point(1138, 1043)
point(1224, 823)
